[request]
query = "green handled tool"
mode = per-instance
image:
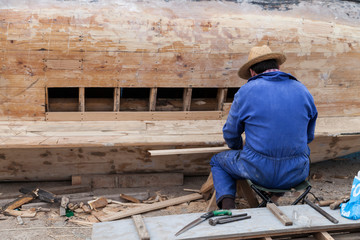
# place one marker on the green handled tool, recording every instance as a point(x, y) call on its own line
point(203, 218)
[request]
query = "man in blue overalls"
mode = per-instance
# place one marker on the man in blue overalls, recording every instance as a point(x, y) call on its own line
point(278, 115)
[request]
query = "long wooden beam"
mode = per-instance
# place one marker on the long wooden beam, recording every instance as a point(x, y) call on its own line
point(188, 151)
point(151, 207)
point(133, 116)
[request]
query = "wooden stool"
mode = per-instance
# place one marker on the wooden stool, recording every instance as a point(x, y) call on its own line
point(243, 189)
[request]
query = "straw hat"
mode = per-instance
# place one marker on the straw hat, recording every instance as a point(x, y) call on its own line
point(259, 54)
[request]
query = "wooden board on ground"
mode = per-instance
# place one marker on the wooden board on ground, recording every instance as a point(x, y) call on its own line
point(20, 201)
point(129, 198)
point(25, 214)
point(150, 207)
point(262, 224)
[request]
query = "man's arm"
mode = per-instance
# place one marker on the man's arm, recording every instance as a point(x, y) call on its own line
point(234, 125)
point(311, 125)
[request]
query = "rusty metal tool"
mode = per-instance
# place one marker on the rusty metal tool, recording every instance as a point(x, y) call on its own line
point(222, 220)
point(321, 211)
point(203, 218)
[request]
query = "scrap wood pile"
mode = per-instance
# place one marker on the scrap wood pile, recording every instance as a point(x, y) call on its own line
point(85, 208)
point(79, 205)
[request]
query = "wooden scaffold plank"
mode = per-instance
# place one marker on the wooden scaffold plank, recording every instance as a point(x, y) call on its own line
point(117, 99)
point(152, 99)
point(221, 96)
point(261, 225)
point(81, 99)
point(187, 99)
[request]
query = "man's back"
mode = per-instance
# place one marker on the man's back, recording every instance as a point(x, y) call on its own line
point(276, 110)
point(278, 116)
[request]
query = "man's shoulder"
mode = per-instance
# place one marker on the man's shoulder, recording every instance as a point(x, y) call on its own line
point(273, 80)
point(248, 86)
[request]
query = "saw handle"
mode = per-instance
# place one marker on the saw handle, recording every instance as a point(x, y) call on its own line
point(216, 213)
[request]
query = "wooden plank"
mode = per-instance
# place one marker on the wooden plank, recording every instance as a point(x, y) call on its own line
point(279, 214)
point(323, 236)
point(208, 185)
point(188, 151)
point(98, 203)
point(25, 214)
point(262, 224)
point(20, 201)
point(212, 203)
point(152, 99)
point(248, 193)
point(151, 207)
point(141, 227)
point(117, 99)
point(187, 99)
point(129, 198)
point(41, 194)
point(132, 116)
point(221, 96)
point(81, 99)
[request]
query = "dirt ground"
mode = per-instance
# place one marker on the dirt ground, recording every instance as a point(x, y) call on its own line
point(331, 180)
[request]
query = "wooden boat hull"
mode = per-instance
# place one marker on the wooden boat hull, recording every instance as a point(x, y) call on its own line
point(54, 164)
point(123, 147)
point(92, 89)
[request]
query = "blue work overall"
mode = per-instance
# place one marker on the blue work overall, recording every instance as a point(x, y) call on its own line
point(278, 115)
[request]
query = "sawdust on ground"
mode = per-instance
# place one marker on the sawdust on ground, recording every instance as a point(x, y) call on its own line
point(331, 180)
